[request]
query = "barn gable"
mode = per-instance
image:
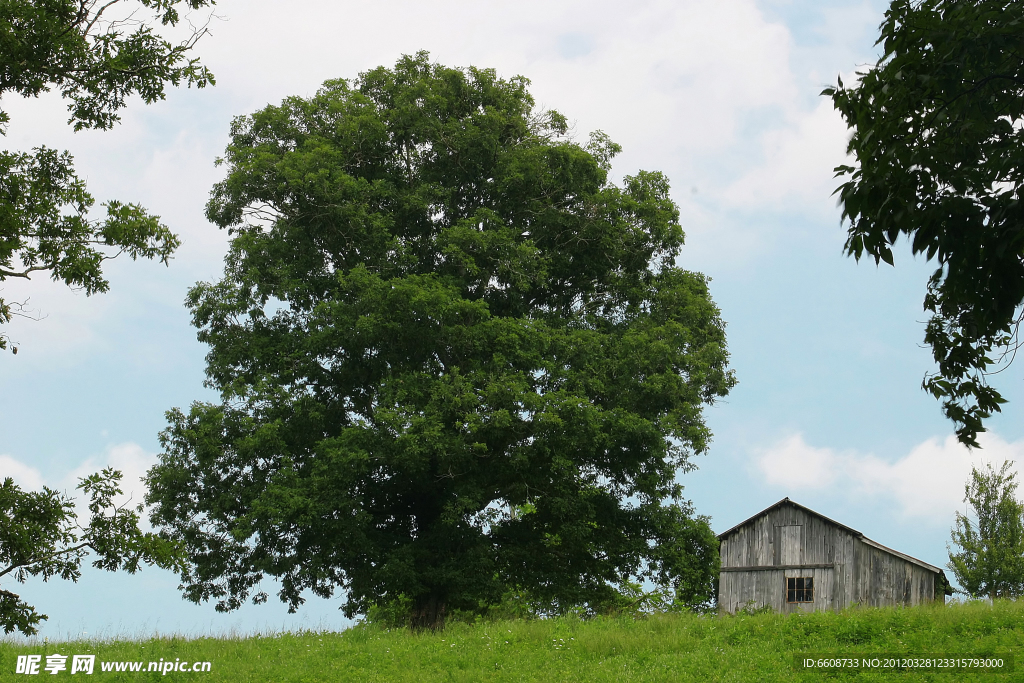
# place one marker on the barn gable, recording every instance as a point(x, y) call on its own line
point(791, 558)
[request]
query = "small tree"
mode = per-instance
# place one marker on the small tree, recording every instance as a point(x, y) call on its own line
point(991, 560)
point(40, 536)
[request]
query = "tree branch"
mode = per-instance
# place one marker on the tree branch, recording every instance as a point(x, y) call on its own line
point(44, 558)
point(96, 17)
point(23, 274)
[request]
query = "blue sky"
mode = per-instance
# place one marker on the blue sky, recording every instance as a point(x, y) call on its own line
point(721, 95)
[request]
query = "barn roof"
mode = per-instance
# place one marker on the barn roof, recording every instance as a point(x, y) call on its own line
point(859, 535)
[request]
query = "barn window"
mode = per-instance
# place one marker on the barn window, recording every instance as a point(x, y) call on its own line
point(800, 589)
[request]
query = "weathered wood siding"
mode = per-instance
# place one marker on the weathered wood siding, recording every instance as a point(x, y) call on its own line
point(789, 542)
point(883, 579)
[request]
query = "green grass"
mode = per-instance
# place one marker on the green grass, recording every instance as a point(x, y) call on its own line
point(675, 647)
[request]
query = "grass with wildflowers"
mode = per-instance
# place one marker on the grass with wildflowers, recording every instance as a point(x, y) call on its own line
point(662, 647)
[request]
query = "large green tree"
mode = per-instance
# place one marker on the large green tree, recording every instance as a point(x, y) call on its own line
point(989, 556)
point(98, 54)
point(455, 360)
point(939, 146)
point(40, 535)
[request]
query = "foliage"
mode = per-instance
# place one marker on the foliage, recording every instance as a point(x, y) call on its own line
point(991, 557)
point(98, 54)
point(40, 536)
point(678, 647)
point(454, 359)
point(936, 131)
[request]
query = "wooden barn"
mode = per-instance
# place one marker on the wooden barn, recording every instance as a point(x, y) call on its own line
point(792, 559)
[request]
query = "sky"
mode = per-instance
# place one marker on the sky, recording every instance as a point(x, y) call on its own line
point(723, 96)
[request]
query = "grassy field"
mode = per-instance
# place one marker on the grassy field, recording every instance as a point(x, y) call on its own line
point(675, 647)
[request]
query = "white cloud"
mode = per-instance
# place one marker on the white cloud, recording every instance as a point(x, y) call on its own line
point(798, 163)
point(25, 476)
point(928, 482)
point(57, 324)
point(676, 82)
point(129, 458)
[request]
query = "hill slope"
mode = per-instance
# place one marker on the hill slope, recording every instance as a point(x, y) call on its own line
point(679, 647)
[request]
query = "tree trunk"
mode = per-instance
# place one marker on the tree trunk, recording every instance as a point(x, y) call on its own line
point(428, 613)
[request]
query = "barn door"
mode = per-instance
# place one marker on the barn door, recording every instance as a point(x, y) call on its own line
point(788, 540)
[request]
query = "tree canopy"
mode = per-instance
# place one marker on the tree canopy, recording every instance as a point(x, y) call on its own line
point(40, 536)
point(454, 358)
point(98, 54)
point(990, 557)
point(937, 136)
